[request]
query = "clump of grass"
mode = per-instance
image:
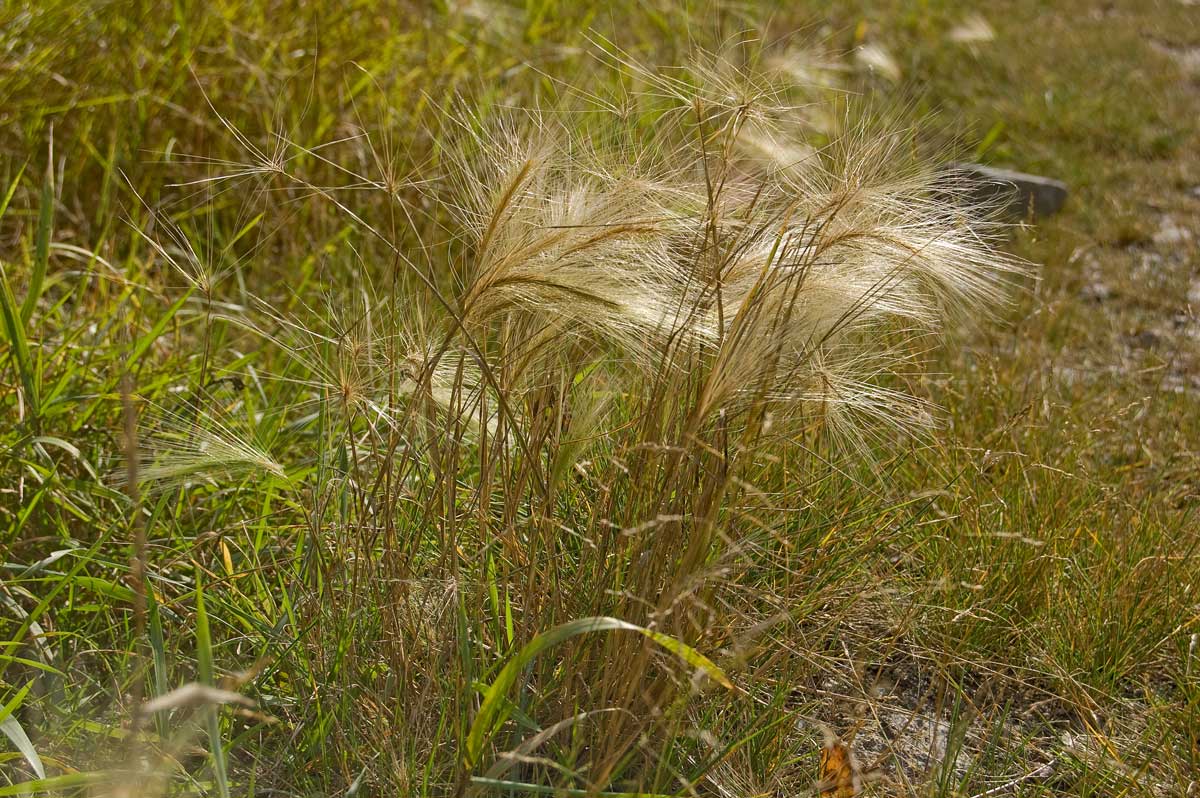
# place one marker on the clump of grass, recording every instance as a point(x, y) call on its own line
point(626, 338)
point(628, 330)
point(444, 389)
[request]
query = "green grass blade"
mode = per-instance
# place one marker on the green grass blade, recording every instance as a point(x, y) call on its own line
point(204, 663)
point(12, 189)
point(989, 140)
point(14, 330)
point(689, 655)
point(12, 729)
point(41, 248)
point(67, 782)
point(493, 711)
point(159, 654)
point(493, 589)
point(246, 229)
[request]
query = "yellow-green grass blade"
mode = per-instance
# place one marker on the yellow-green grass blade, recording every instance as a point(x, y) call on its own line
point(493, 711)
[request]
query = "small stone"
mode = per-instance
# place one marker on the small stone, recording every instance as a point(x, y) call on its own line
point(1187, 58)
point(1147, 339)
point(1095, 292)
point(1018, 194)
point(1171, 234)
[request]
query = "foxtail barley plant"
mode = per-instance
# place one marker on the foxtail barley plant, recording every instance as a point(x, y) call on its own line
point(575, 402)
point(572, 390)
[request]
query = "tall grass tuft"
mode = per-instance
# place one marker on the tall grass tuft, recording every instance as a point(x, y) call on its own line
point(587, 366)
point(588, 392)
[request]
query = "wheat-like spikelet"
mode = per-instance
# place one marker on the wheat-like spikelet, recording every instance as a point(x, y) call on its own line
point(178, 447)
point(571, 253)
point(813, 313)
point(801, 272)
point(826, 269)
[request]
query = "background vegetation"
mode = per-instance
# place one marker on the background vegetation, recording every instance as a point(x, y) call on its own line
point(211, 216)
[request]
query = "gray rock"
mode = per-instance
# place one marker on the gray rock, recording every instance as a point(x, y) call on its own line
point(1170, 233)
point(1015, 194)
point(1096, 292)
